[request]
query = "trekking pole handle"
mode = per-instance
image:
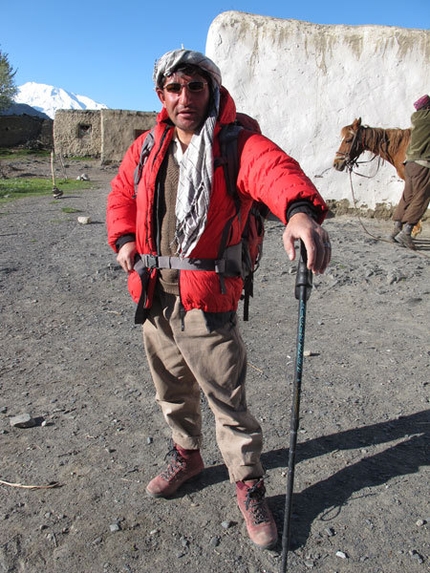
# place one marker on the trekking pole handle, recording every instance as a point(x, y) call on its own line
point(304, 275)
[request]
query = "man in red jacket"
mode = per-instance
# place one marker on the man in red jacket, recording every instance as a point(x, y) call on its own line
point(176, 221)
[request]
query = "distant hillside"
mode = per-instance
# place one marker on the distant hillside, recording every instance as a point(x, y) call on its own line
point(24, 109)
point(47, 99)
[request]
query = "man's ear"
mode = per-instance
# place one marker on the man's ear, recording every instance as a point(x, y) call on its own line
point(160, 94)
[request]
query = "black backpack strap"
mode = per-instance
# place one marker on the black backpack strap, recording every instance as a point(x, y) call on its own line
point(230, 164)
point(142, 271)
point(147, 145)
point(141, 311)
point(228, 143)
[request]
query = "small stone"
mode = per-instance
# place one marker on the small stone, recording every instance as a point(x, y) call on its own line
point(420, 522)
point(329, 531)
point(3, 410)
point(23, 421)
point(341, 554)
point(417, 556)
point(226, 524)
point(149, 440)
point(114, 527)
point(215, 541)
point(84, 220)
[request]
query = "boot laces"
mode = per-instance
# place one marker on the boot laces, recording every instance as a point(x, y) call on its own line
point(256, 504)
point(175, 465)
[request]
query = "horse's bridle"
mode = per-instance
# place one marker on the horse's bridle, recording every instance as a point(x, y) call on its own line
point(358, 145)
point(354, 148)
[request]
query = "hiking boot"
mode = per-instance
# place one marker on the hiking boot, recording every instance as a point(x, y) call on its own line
point(182, 466)
point(258, 517)
point(397, 228)
point(404, 238)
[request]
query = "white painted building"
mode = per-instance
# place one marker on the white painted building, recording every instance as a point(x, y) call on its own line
point(304, 82)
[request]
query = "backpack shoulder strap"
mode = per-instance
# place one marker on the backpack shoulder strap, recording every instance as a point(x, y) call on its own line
point(253, 232)
point(230, 163)
point(147, 145)
point(230, 159)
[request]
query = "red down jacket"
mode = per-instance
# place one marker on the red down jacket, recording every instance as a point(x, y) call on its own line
point(266, 173)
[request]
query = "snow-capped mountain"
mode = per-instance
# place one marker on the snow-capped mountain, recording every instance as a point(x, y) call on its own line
point(48, 99)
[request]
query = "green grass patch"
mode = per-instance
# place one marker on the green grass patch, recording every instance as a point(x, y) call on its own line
point(7, 153)
point(18, 187)
point(69, 210)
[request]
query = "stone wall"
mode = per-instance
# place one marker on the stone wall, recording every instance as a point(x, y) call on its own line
point(105, 134)
point(31, 131)
point(304, 82)
point(77, 133)
point(119, 128)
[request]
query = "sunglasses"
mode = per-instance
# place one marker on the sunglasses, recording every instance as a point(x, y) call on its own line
point(193, 87)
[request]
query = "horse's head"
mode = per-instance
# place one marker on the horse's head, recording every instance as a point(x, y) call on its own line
point(350, 147)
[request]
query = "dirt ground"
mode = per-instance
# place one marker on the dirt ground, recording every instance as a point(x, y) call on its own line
point(71, 358)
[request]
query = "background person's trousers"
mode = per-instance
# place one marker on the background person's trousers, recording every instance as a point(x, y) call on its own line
point(183, 361)
point(416, 194)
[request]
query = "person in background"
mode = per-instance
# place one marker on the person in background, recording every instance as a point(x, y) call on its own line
point(416, 193)
point(177, 219)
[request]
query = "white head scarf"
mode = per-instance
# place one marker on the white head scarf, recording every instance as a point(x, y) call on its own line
point(196, 168)
point(166, 65)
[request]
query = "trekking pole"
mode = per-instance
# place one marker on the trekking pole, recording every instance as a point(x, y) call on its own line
point(302, 293)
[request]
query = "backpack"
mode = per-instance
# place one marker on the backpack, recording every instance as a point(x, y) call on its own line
point(253, 232)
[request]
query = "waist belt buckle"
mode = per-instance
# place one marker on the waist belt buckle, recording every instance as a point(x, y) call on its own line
point(150, 261)
point(220, 266)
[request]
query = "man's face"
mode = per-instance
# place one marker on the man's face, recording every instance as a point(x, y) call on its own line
point(187, 105)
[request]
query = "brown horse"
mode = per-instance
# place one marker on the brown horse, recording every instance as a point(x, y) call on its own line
point(389, 144)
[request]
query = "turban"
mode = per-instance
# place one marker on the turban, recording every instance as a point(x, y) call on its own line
point(422, 102)
point(168, 63)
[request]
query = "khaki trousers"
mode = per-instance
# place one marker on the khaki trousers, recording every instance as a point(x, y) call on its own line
point(184, 361)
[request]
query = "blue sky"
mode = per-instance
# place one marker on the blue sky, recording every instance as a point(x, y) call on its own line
point(106, 51)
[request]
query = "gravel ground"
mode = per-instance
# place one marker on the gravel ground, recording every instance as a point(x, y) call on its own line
point(71, 357)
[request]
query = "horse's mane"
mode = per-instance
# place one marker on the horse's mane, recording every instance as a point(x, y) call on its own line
point(380, 139)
